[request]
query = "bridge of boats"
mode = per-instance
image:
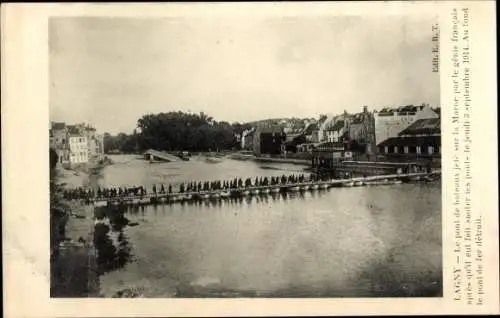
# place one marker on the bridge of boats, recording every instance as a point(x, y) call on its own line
point(255, 190)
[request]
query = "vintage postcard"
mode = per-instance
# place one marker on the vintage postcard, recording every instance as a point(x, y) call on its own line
point(257, 159)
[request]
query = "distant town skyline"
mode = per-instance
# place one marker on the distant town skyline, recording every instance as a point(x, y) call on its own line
point(111, 71)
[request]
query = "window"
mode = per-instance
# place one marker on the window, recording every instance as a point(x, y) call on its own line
point(431, 150)
point(406, 149)
point(419, 151)
point(386, 149)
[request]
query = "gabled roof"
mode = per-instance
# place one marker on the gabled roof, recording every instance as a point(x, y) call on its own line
point(310, 128)
point(411, 141)
point(339, 124)
point(326, 121)
point(423, 126)
point(58, 126)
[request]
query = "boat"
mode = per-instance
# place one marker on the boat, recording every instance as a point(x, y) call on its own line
point(187, 197)
point(184, 155)
point(324, 186)
point(135, 201)
point(305, 188)
point(348, 184)
point(145, 201)
point(225, 194)
point(205, 196)
point(265, 191)
point(255, 191)
point(396, 182)
point(294, 189)
point(215, 195)
point(162, 199)
point(100, 203)
point(314, 187)
point(358, 183)
point(245, 192)
point(276, 190)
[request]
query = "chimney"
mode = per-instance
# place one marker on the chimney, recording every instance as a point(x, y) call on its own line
point(365, 109)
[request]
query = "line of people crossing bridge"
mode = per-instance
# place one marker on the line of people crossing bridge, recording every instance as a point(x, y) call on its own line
point(236, 183)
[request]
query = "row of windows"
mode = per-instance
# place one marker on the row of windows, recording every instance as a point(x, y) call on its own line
point(82, 153)
point(75, 140)
point(430, 149)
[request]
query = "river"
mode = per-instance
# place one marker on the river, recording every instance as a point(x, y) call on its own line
point(379, 241)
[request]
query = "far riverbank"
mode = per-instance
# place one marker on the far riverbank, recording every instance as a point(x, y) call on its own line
point(240, 156)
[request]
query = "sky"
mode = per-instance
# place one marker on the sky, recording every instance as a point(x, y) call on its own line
point(111, 71)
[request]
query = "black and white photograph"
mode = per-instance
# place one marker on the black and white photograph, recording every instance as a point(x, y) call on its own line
point(245, 157)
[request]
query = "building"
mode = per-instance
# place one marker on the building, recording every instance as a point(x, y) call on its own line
point(247, 139)
point(293, 142)
point(333, 127)
point(336, 131)
point(78, 145)
point(389, 122)
point(362, 130)
point(268, 140)
point(327, 155)
point(310, 133)
point(58, 134)
point(95, 142)
point(323, 123)
point(420, 139)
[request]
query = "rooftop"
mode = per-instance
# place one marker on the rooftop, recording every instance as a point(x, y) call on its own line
point(73, 130)
point(401, 109)
point(411, 141)
point(308, 130)
point(359, 118)
point(58, 126)
point(339, 124)
point(423, 126)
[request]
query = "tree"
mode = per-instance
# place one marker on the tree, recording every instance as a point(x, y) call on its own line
point(184, 131)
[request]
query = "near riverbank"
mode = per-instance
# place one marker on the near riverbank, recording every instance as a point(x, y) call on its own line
point(73, 262)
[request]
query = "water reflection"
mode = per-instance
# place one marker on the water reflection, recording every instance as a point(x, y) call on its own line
point(339, 242)
point(110, 241)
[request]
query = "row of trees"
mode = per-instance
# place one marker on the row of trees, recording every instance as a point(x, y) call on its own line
point(175, 131)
